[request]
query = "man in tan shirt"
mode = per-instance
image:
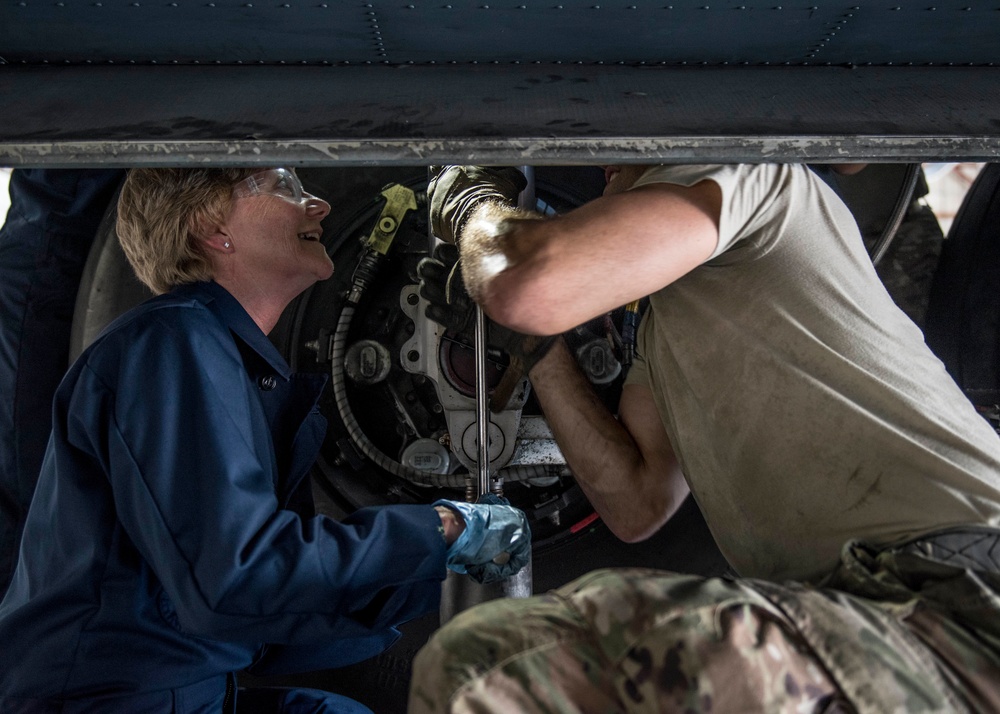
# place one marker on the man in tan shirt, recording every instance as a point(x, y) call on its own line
point(838, 466)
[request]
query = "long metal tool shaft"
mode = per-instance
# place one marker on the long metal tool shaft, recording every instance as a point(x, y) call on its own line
point(482, 407)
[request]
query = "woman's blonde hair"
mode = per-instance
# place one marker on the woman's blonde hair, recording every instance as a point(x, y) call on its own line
point(163, 213)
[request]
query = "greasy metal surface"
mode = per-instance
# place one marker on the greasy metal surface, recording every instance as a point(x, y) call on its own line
point(313, 82)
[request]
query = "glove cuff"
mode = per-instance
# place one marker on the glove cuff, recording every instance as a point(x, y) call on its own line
point(474, 531)
point(472, 202)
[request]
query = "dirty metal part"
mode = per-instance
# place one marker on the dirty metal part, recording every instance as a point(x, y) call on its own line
point(543, 151)
point(427, 455)
point(598, 361)
point(536, 445)
point(367, 362)
point(422, 354)
point(545, 114)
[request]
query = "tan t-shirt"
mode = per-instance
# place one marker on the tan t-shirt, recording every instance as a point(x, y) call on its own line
point(804, 406)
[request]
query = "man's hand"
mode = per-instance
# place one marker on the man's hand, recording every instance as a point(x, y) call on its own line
point(496, 542)
point(441, 284)
point(455, 192)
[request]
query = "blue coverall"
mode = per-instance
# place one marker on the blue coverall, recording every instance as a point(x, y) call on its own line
point(161, 553)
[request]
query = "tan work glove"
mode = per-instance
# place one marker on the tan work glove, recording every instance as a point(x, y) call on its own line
point(455, 192)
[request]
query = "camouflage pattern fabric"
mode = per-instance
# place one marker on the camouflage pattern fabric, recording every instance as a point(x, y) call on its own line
point(628, 640)
point(942, 593)
point(891, 631)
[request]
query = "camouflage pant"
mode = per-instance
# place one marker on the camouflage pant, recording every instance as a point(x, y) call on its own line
point(634, 640)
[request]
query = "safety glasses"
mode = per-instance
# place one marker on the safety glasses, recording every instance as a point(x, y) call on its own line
point(282, 183)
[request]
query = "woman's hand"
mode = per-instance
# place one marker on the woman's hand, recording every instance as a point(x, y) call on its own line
point(452, 523)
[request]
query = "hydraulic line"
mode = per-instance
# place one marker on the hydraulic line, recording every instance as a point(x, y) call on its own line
point(630, 327)
point(354, 431)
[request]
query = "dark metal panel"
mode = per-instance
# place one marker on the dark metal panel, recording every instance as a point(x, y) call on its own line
point(134, 81)
point(951, 33)
point(575, 114)
point(466, 31)
point(93, 103)
point(586, 32)
point(185, 31)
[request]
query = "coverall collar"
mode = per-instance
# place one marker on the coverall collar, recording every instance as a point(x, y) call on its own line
point(231, 313)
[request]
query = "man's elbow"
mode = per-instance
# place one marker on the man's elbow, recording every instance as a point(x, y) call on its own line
point(524, 307)
point(637, 528)
point(639, 518)
point(526, 321)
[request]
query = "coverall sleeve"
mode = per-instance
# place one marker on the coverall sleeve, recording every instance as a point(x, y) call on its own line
point(191, 470)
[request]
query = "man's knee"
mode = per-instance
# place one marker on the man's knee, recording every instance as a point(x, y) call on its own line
point(501, 646)
point(481, 637)
point(737, 656)
point(644, 638)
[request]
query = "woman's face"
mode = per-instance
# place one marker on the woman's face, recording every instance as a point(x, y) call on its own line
point(275, 230)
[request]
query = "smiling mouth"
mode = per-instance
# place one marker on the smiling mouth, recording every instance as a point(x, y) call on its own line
point(309, 236)
point(609, 173)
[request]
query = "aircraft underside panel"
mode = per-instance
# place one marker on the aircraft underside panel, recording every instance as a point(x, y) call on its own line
point(308, 82)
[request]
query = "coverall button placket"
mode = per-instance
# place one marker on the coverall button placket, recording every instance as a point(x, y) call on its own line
point(268, 382)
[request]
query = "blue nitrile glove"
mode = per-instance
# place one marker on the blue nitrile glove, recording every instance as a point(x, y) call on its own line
point(492, 527)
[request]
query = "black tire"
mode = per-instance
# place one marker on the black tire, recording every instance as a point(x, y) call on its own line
point(963, 316)
point(108, 286)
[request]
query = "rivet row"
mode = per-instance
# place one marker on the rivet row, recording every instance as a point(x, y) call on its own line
point(326, 5)
point(634, 63)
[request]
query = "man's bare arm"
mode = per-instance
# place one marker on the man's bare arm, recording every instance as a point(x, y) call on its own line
point(626, 468)
point(545, 276)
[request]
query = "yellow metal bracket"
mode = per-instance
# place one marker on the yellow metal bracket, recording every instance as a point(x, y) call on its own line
point(398, 200)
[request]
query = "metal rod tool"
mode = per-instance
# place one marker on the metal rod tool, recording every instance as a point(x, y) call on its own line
point(482, 407)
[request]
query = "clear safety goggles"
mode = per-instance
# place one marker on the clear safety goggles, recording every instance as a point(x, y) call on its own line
point(282, 183)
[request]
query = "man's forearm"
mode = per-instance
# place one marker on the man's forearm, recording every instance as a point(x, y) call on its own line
point(487, 246)
point(633, 496)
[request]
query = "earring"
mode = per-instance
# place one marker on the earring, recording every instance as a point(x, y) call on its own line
point(226, 244)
